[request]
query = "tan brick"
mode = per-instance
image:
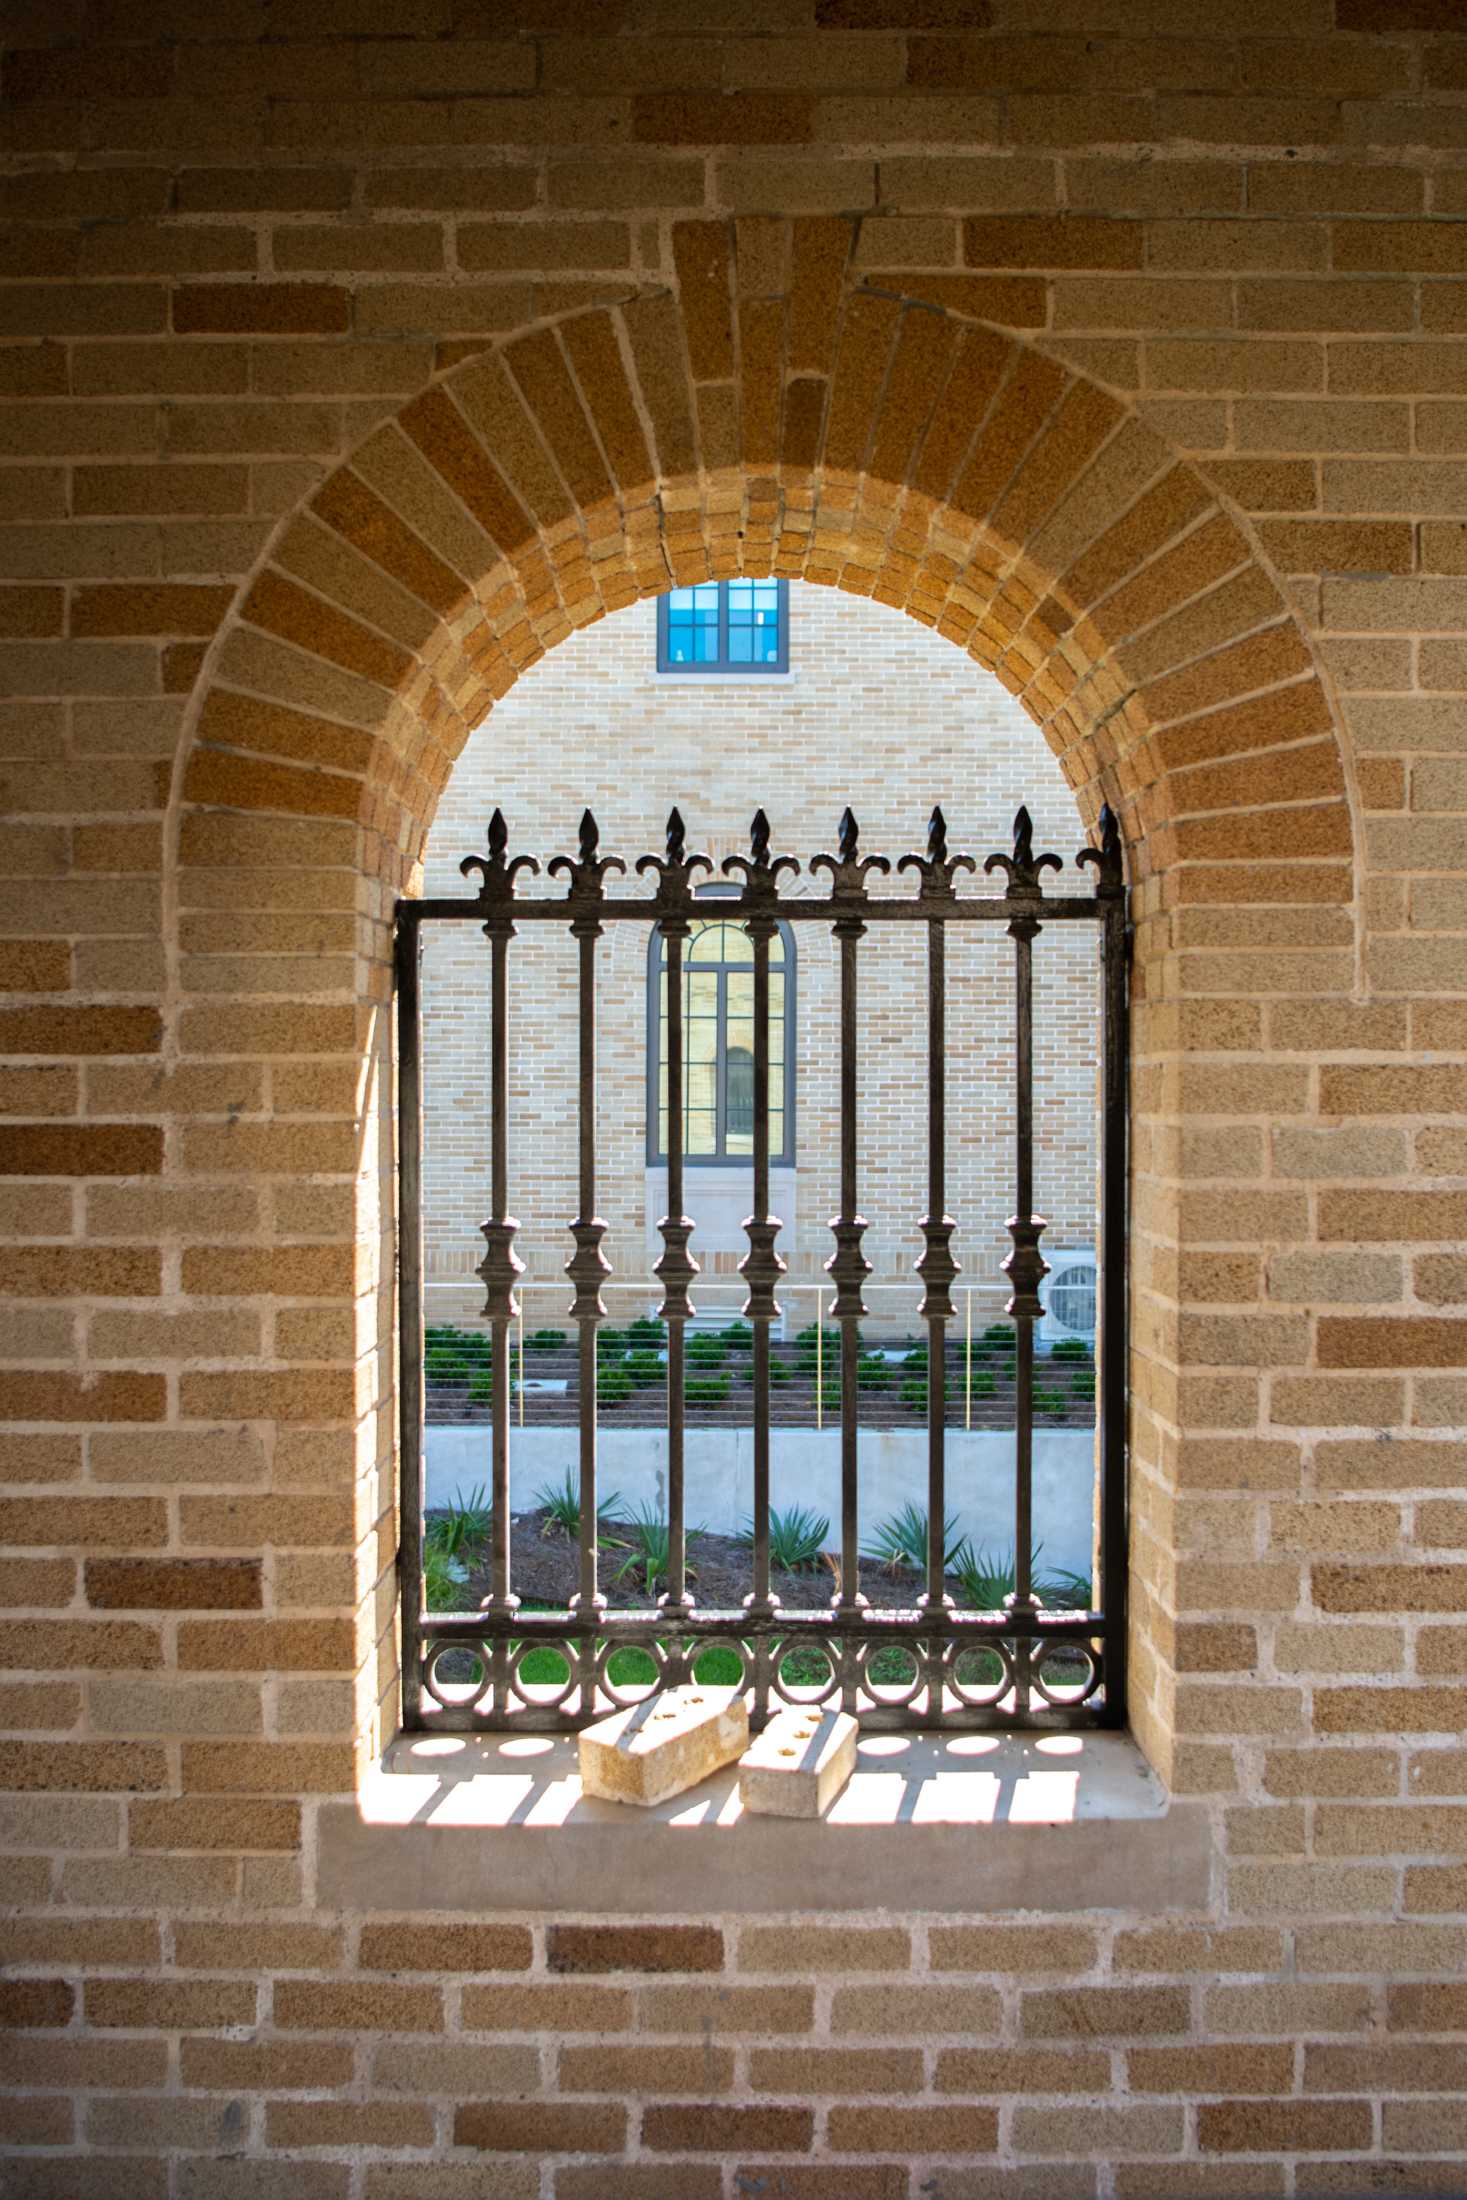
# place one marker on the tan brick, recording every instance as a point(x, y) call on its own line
point(368, 2005)
point(822, 1948)
point(547, 2127)
point(449, 1948)
point(1251, 2127)
point(945, 2128)
point(175, 2005)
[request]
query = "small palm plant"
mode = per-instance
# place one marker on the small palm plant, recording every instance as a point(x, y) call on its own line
point(444, 1580)
point(901, 1541)
point(797, 1538)
point(650, 1540)
point(561, 1503)
point(461, 1525)
point(987, 1579)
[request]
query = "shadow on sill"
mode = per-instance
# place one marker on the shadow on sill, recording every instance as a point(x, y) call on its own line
point(938, 1823)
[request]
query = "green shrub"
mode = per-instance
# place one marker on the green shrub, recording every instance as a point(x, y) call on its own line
point(914, 1392)
point(706, 1351)
point(644, 1368)
point(999, 1337)
point(985, 1383)
point(873, 1373)
point(1049, 1401)
point(805, 1342)
point(780, 1371)
point(1071, 1348)
point(610, 1343)
point(739, 1337)
point(708, 1390)
point(613, 1386)
point(1083, 1384)
point(645, 1334)
point(481, 1386)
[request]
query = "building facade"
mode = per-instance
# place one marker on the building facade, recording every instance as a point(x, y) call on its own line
point(875, 711)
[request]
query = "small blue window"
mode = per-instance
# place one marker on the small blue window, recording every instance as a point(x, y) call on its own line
point(724, 626)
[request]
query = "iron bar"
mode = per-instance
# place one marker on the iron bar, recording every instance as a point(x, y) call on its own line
point(676, 1268)
point(1025, 1266)
point(588, 1267)
point(407, 950)
point(848, 1266)
point(761, 1266)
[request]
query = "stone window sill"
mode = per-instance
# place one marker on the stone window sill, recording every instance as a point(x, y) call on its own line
point(715, 682)
point(928, 1822)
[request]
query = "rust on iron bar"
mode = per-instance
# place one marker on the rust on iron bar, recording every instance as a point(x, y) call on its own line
point(1024, 1665)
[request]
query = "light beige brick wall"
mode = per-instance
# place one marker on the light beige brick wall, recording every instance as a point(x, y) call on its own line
point(905, 721)
point(355, 357)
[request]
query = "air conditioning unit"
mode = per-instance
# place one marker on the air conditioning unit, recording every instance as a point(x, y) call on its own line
point(1069, 1292)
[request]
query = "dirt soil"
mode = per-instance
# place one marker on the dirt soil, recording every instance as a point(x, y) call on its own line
point(545, 1570)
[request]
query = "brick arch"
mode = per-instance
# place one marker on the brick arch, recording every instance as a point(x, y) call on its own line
point(767, 414)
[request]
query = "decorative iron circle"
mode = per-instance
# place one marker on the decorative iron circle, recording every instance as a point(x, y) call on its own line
point(615, 1692)
point(803, 1698)
point(466, 1695)
point(695, 1650)
point(1064, 1695)
point(973, 1696)
point(535, 1695)
point(893, 1696)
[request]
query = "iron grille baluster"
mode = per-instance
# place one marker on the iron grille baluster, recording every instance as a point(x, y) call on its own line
point(588, 1267)
point(676, 1267)
point(1025, 1267)
point(501, 1267)
point(848, 1633)
point(848, 1266)
point(936, 873)
point(407, 955)
point(761, 1266)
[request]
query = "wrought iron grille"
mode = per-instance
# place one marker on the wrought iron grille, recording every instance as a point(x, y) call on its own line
point(1024, 1665)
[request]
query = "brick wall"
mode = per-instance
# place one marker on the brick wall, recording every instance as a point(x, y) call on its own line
point(359, 355)
point(905, 722)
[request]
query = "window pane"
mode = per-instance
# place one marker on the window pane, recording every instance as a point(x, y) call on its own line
point(739, 1100)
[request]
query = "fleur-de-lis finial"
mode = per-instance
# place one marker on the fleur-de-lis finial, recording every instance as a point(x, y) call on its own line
point(675, 869)
point(937, 869)
point(497, 870)
point(586, 870)
point(1023, 867)
point(761, 870)
point(1110, 870)
point(848, 868)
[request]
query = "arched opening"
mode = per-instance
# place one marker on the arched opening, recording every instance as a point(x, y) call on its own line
point(880, 718)
point(771, 416)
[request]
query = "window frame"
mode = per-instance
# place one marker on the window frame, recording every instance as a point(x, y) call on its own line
point(721, 668)
point(708, 897)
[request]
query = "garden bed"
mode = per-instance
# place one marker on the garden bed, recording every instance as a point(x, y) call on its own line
point(632, 1378)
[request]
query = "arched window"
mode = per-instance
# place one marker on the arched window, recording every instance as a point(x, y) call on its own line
point(718, 1044)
